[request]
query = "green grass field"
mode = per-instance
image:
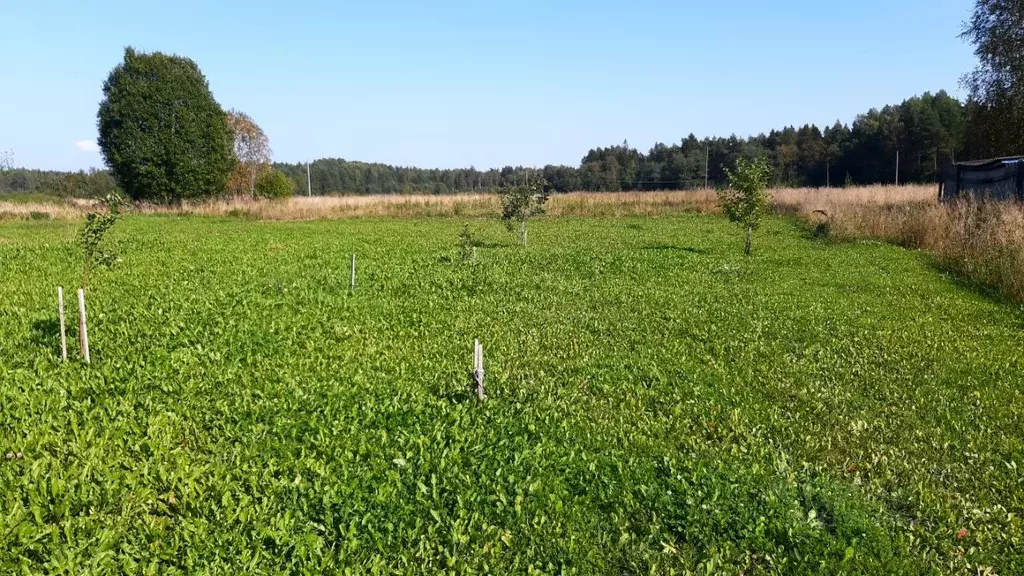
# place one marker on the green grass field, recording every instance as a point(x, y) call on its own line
point(657, 403)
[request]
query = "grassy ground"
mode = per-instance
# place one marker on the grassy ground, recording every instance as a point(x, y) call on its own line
point(657, 403)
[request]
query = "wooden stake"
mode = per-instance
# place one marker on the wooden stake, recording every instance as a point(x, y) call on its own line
point(83, 330)
point(63, 331)
point(478, 369)
point(352, 280)
point(474, 254)
point(707, 164)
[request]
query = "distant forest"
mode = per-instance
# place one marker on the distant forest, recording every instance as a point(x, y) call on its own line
point(928, 132)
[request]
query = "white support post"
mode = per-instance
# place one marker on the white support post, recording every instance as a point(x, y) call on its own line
point(83, 329)
point(352, 279)
point(63, 330)
point(478, 369)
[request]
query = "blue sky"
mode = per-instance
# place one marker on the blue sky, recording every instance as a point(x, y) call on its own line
point(451, 84)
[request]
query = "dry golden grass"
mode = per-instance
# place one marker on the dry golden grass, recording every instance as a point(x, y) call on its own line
point(332, 207)
point(829, 199)
point(61, 210)
point(632, 203)
point(575, 204)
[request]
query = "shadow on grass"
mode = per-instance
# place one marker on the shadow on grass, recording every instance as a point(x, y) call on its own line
point(672, 247)
point(821, 233)
point(46, 334)
point(817, 227)
point(486, 244)
point(460, 395)
point(988, 291)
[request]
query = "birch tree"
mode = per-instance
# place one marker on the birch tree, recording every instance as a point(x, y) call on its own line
point(252, 153)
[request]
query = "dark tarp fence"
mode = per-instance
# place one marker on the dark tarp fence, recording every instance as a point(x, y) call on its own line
point(999, 179)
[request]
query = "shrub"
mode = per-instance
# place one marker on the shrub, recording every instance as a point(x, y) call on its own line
point(274, 184)
point(161, 132)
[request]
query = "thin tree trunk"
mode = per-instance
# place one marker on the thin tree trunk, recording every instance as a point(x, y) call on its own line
point(750, 235)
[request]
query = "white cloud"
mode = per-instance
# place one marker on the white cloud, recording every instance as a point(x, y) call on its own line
point(87, 145)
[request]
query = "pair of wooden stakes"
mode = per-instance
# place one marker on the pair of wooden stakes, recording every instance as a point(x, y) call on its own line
point(83, 330)
point(83, 334)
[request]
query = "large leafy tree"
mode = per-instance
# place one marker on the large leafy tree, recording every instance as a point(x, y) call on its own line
point(161, 132)
point(996, 86)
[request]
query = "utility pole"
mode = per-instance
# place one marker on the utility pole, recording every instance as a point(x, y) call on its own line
point(707, 164)
point(309, 182)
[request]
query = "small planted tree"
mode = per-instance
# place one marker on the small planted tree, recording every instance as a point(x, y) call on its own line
point(522, 202)
point(466, 244)
point(747, 198)
point(91, 236)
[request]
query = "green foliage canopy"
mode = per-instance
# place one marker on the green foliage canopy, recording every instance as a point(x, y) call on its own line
point(746, 199)
point(274, 184)
point(521, 202)
point(161, 132)
point(996, 86)
point(91, 236)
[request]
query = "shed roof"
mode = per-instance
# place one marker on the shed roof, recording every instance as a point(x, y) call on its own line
point(988, 163)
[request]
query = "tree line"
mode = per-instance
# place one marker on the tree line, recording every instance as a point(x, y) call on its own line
point(91, 183)
point(926, 130)
point(166, 139)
